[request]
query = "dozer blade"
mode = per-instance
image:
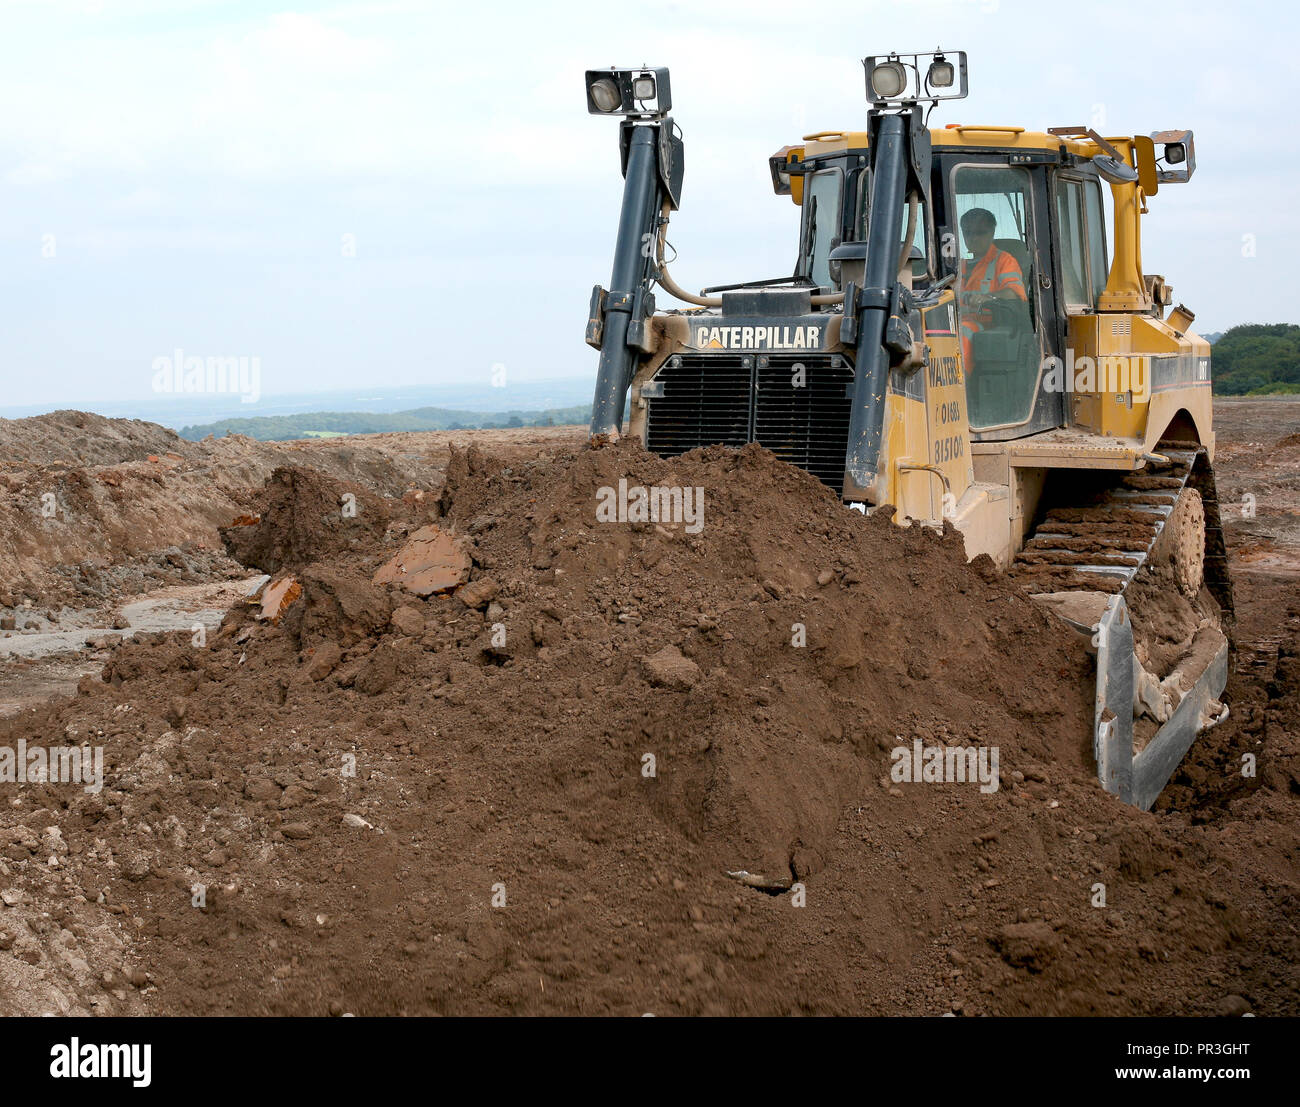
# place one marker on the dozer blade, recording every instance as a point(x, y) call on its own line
point(1139, 776)
point(1152, 536)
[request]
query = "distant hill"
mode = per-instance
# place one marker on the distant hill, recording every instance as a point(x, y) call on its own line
point(1257, 359)
point(324, 424)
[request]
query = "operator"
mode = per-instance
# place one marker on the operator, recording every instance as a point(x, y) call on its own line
point(989, 274)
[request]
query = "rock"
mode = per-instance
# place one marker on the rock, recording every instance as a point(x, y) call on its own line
point(1032, 945)
point(296, 831)
point(477, 593)
point(1232, 1006)
point(293, 796)
point(669, 669)
point(261, 790)
point(805, 862)
point(432, 560)
point(356, 822)
point(377, 672)
point(324, 660)
point(408, 620)
point(138, 978)
point(136, 865)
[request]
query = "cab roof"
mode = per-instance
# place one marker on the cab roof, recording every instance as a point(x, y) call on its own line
point(956, 134)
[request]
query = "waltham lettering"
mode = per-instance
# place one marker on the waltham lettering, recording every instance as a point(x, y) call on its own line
point(944, 372)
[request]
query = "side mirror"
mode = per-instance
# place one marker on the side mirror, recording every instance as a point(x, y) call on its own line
point(850, 259)
point(833, 263)
point(1114, 170)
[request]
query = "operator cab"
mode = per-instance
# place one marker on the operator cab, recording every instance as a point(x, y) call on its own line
point(1047, 240)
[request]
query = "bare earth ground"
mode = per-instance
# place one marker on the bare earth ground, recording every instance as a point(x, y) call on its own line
point(373, 807)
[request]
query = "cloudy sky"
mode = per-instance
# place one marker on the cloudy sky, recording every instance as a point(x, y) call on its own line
point(412, 193)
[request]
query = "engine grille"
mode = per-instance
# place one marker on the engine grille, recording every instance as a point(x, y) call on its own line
point(704, 399)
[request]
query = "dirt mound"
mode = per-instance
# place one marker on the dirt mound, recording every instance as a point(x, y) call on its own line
point(809, 638)
point(82, 438)
point(305, 516)
point(89, 505)
point(527, 795)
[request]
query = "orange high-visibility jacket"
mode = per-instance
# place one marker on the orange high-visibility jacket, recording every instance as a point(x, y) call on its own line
point(995, 271)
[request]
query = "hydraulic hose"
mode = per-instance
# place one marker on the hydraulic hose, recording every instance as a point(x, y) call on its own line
point(911, 231)
point(674, 289)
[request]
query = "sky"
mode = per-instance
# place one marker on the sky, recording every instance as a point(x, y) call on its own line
point(366, 195)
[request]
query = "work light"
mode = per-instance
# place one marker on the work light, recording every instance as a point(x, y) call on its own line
point(896, 78)
point(636, 93)
point(604, 95)
point(888, 81)
point(941, 73)
point(1177, 156)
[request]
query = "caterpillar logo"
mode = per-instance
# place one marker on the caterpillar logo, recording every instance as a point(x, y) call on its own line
point(801, 337)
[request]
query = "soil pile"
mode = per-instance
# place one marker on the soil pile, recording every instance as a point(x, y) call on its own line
point(528, 794)
point(83, 438)
point(307, 517)
point(93, 509)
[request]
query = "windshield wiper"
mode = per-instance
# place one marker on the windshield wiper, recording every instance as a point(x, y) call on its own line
point(769, 283)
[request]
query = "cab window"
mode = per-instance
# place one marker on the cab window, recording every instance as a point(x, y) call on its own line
point(1076, 286)
point(821, 224)
point(1096, 224)
point(861, 224)
point(997, 315)
point(1082, 232)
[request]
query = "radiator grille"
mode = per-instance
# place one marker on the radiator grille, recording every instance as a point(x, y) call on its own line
point(729, 398)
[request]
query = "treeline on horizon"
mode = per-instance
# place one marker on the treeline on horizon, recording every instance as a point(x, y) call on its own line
point(1257, 359)
point(279, 428)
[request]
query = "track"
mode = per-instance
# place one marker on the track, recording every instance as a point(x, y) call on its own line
point(1137, 561)
point(1101, 542)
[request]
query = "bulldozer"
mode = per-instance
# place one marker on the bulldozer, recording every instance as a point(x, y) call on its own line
point(965, 340)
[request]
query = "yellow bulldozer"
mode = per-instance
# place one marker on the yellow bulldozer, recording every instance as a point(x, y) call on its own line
point(962, 339)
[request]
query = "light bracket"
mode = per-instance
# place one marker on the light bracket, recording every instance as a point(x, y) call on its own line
point(621, 92)
point(917, 69)
point(1176, 149)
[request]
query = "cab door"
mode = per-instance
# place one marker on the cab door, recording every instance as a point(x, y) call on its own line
point(997, 239)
